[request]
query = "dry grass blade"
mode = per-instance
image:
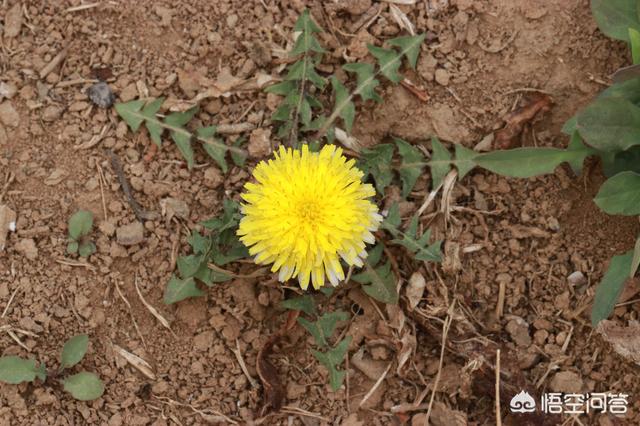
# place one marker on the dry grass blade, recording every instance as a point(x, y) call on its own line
point(133, 319)
point(376, 385)
point(73, 263)
point(401, 19)
point(214, 418)
point(82, 7)
point(140, 364)
point(243, 366)
point(153, 310)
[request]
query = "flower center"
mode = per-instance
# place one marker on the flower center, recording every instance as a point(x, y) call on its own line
point(309, 212)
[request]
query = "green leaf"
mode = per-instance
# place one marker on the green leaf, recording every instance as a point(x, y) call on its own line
point(621, 161)
point(634, 40)
point(348, 112)
point(199, 243)
point(393, 218)
point(214, 147)
point(367, 83)
point(410, 47)
point(15, 370)
point(306, 24)
point(239, 156)
point(635, 262)
point(576, 152)
point(419, 246)
point(303, 303)
point(155, 129)
point(84, 386)
point(189, 265)
point(620, 194)
point(229, 219)
point(86, 249)
point(332, 359)
point(74, 350)
point(389, 61)
point(178, 290)
point(72, 247)
point(615, 17)
point(183, 142)
point(522, 162)
point(130, 113)
point(381, 282)
point(440, 162)
point(283, 88)
point(182, 137)
point(413, 163)
point(611, 287)
point(328, 321)
point(80, 224)
point(610, 124)
point(376, 162)
point(570, 126)
point(314, 329)
point(306, 42)
point(465, 160)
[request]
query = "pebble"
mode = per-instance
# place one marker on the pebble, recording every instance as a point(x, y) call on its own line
point(13, 21)
point(7, 90)
point(259, 144)
point(51, 113)
point(101, 95)
point(7, 224)
point(576, 278)
point(129, 93)
point(442, 77)
point(8, 115)
point(566, 381)
point(131, 234)
point(213, 178)
point(518, 329)
point(28, 248)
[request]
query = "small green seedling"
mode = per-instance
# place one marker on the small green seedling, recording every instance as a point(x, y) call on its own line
point(80, 225)
point(83, 386)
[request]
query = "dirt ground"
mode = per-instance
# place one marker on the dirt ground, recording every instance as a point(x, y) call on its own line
point(480, 60)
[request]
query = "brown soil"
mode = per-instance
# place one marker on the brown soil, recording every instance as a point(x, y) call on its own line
point(480, 60)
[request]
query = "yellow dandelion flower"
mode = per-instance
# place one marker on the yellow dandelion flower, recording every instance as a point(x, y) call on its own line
point(305, 212)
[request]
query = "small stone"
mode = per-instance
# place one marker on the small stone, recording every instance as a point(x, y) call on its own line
point(13, 21)
point(78, 106)
point(107, 228)
point(518, 329)
point(131, 234)
point(7, 90)
point(51, 113)
point(174, 207)
point(553, 224)
point(28, 248)
point(232, 20)
point(101, 95)
point(8, 115)
point(55, 177)
point(259, 143)
point(566, 381)
point(129, 93)
point(164, 14)
point(577, 278)
point(213, 178)
point(7, 224)
point(442, 77)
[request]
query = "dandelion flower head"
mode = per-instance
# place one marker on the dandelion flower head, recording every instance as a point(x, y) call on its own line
point(305, 212)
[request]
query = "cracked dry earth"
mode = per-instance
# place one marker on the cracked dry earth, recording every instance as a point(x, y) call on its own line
point(480, 60)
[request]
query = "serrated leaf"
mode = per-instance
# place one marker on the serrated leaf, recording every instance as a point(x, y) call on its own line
point(306, 43)
point(410, 47)
point(199, 243)
point(314, 329)
point(348, 111)
point(393, 218)
point(84, 386)
point(635, 261)
point(634, 41)
point(86, 249)
point(611, 286)
point(304, 303)
point(130, 113)
point(522, 162)
point(418, 246)
point(305, 112)
point(235, 252)
point(413, 163)
point(376, 162)
point(15, 370)
point(332, 359)
point(183, 142)
point(74, 350)
point(80, 224)
point(620, 194)
point(228, 220)
point(381, 282)
point(179, 119)
point(305, 23)
point(615, 17)
point(189, 265)
point(180, 289)
point(155, 129)
point(465, 160)
point(283, 88)
point(239, 157)
point(214, 147)
point(389, 61)
point(329, 320)
point(440, 162)
point(367, 83)
point(610, 124)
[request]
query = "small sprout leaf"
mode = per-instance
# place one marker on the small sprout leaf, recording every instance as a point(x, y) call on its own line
point(14, 370)
point(74, 350)
point(610, 288)
point(84, 386)
point(80, 224)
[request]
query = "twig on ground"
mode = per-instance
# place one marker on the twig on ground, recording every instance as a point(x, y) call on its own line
point(140, 213)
